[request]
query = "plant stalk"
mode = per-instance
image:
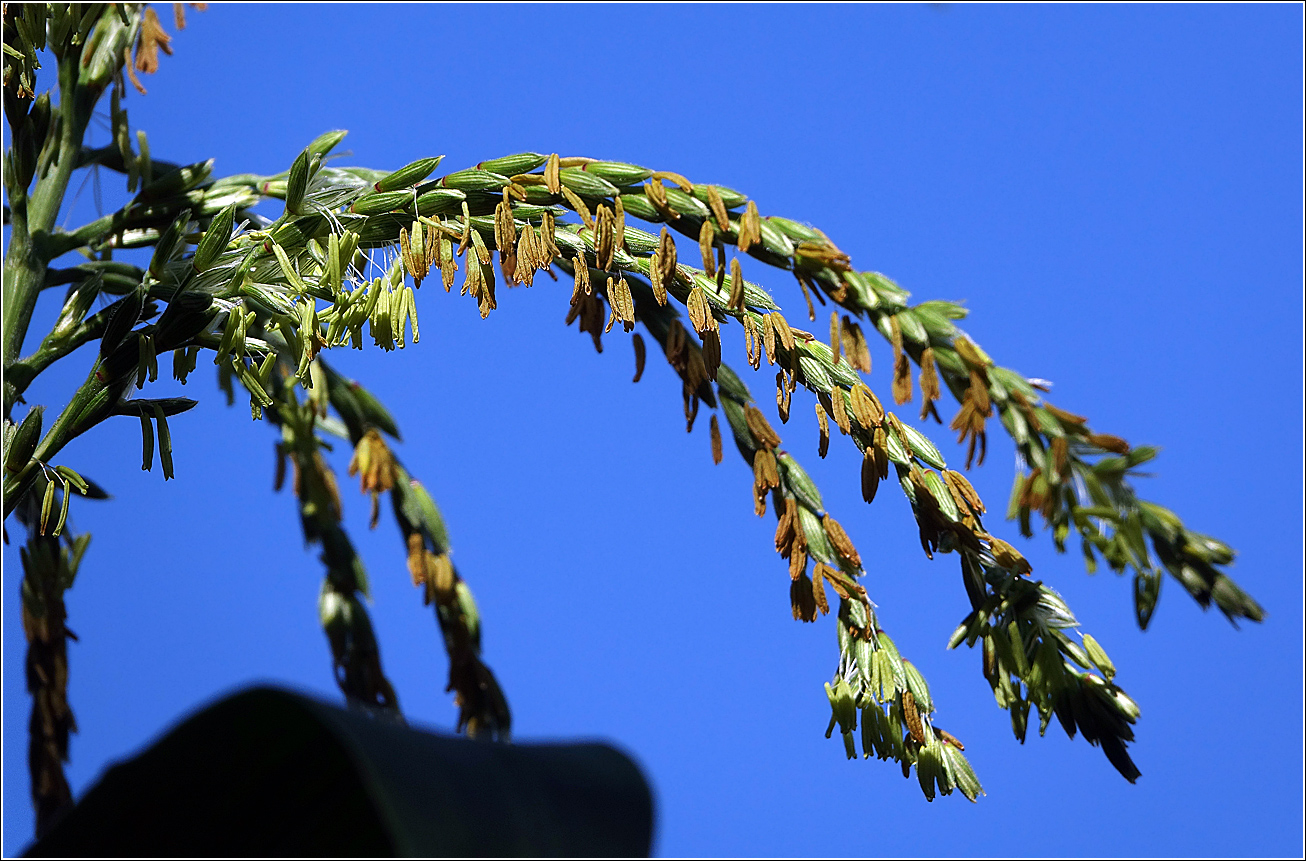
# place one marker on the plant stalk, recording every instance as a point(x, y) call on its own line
point(33, 215)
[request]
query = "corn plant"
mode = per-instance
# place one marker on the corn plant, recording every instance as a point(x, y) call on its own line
point(266, 301)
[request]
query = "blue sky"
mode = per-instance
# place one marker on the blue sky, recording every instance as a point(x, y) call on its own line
point(1115, 191)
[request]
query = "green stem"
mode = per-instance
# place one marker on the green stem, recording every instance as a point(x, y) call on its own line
point(33, 216)
point(20, 374)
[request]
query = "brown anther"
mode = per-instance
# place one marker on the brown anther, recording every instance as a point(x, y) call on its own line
point(718, 208)
point(440, 578)
point(1107, 442)
point(711, 352)
point(949, 738)
point(929, 376)
point(969, 353)
point(855, 347)
point(131, 70)
point(1009, 557)
point(552, 179)
point(505, 239)
point(715, 429)
point(962, 491)
point(700, 312)
point(901, 368)
point(752, 341)
point(912, 717)
point(1073, 422)
point(839, 410)
point(667, 255)
point(866, 407)
point(750, 228)
point(528, 256)
point(448, 265)
point(1060, 455)
point(685, 185)
point(574, 201)
point(797, 553)
point(638, 343)
point(880, 445)
point(406, 255)
point(760, 427)
point(619, 222)
point(842, 543)
point(802, 600)
point(870, 474)
point(706, 240)
point(152, 39)
point(783, 333)
point(785, 512)
point(818, 589)
point(807, 296)
point(765, 476)
point(656, 193)
point(736, 302)
point(582, 278)
point(604, 238)
point(655, 278)
point(548, 242)
point(768, 338)
point(416, 558)
point(823, 444)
